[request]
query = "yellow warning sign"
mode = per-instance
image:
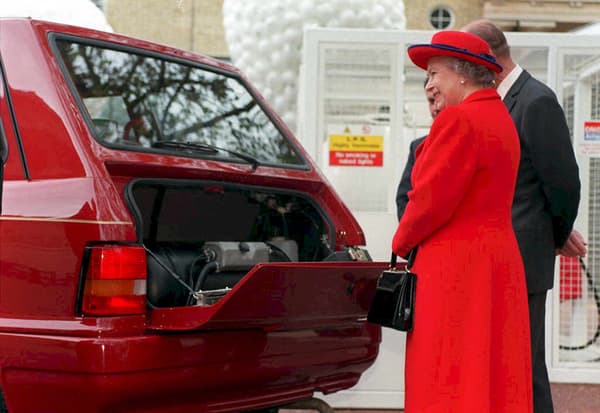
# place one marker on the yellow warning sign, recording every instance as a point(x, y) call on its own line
point(356, 143)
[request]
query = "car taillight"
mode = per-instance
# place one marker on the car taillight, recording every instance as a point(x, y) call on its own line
point(115, 281)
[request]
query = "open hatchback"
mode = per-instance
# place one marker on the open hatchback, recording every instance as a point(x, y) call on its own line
point(177, 248)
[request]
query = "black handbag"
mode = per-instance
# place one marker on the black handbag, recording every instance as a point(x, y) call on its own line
point(394, 303)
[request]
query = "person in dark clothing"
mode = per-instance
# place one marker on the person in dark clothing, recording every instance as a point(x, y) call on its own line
point(404, 186)
point(547, 191)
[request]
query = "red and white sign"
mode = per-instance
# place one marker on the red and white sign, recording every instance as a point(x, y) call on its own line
point(355, 150)
point(590, 144)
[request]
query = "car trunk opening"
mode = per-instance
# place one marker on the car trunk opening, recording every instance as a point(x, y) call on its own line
point(242, 255)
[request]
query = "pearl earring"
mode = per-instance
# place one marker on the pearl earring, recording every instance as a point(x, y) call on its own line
point(462, 82)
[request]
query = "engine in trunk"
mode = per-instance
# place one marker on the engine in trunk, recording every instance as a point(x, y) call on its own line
point(203, 237)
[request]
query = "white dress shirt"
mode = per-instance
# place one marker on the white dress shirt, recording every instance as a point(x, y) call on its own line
point(508, 81)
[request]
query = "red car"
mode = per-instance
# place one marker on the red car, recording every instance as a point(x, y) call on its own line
point(166, 245)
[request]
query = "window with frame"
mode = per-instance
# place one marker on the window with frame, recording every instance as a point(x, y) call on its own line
point(441, 17)
point(150, 103)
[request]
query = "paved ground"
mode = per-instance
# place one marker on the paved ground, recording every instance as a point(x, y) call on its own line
point(576, 398)
point(568, 398)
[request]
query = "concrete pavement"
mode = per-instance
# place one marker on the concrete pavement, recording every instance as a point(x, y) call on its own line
point(568, 398)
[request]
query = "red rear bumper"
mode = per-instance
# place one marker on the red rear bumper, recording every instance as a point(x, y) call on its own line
point(203, 371)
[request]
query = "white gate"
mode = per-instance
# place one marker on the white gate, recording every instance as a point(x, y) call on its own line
point(362, 103)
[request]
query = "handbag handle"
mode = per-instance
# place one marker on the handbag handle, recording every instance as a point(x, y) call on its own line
point(410, 261)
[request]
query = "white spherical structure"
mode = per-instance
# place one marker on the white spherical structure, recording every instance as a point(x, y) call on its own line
point(265, 38)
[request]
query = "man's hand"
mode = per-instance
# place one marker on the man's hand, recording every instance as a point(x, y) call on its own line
point(574, 247)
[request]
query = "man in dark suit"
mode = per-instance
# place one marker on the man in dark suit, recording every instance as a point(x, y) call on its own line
point(546, 195)
point(405, 185)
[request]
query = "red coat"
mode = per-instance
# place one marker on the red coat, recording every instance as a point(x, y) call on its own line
point(469, 350)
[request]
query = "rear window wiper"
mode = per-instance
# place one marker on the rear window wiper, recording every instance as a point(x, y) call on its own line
point(207, 149)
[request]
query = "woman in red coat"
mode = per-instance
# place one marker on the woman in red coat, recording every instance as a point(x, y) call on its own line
point(469, 349)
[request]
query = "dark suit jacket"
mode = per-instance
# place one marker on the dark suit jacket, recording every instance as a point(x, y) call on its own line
point(405, 185)
point(548, 188)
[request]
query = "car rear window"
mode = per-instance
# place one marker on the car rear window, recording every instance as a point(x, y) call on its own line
point(148, 103)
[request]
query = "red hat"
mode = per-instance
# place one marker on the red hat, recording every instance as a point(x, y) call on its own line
point(462, 45)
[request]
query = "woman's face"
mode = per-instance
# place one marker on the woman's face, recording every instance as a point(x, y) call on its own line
point(444, 84)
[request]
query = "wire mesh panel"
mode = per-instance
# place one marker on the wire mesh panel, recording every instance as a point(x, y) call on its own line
point(579, 324)
point(593, 258)
point(568, 104)
point(578, 284)
point(356, 97)
point(596, 98)
point(367, 71)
